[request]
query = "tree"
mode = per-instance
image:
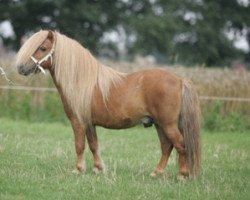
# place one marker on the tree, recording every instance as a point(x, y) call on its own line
point(212, 45)
point(183, 31)
point(26, 16)
point(83, 20)
point(86, 20)
point(187, 31)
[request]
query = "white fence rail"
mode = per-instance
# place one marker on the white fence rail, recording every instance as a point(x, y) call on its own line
point(50, 89)
point(26, 88)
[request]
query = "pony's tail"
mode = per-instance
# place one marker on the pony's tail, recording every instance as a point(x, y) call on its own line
point(189, 124)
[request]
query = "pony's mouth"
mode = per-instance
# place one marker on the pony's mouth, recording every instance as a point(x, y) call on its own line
point(23, 70)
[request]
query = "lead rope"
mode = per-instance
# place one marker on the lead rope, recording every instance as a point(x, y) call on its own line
point(10, 82)
point(38, 66)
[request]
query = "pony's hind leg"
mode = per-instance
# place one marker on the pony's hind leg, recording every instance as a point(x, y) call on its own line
point(94, 148)
point(166, 149)
point(177, 139)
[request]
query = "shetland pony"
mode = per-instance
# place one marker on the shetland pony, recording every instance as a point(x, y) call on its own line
point(96, 95)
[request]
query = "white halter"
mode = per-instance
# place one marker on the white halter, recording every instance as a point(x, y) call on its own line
point(45, 58)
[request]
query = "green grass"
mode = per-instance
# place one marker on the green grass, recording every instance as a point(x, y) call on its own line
point(36, 160)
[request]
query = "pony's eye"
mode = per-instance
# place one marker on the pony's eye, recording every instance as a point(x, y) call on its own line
point(42, 48)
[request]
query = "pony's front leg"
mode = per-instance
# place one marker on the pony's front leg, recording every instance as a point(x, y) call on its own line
point(79, 133)
point(94, 148)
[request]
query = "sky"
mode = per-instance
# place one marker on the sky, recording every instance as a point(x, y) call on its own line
point(6, 29)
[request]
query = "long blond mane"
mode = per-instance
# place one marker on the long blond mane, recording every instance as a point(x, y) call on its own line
point(79, 73)
point(29, 47)
point(76, 72)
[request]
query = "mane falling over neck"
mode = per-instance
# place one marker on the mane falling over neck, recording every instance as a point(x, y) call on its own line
point(78, 74)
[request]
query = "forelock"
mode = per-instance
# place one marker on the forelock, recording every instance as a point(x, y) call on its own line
point(30, 46)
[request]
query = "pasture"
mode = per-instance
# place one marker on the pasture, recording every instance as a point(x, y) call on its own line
point(36, 160)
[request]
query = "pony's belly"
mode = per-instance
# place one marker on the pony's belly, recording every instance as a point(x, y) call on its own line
point(126, 123)
point(117, 124)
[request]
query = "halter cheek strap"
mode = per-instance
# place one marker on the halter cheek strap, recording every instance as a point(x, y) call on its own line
point(39, 62)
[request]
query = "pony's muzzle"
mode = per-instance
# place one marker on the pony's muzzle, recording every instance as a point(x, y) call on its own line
point(23, 70)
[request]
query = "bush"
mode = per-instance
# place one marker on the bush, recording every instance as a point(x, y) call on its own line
point(26, 106)
point(224, 116)
point(214, 119)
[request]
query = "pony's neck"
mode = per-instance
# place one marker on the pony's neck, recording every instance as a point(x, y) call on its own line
point(77, 74)
point(52, 73)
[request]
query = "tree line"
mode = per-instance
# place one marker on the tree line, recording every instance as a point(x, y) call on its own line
point(174, 31)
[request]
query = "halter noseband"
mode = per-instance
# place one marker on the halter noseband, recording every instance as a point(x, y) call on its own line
point(45, 58)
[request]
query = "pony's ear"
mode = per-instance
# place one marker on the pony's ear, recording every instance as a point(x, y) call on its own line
point(51, 36)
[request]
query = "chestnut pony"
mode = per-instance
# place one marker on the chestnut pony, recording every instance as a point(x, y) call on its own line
point(96, 95)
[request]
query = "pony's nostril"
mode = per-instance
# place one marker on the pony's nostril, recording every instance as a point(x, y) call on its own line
point(22, 71)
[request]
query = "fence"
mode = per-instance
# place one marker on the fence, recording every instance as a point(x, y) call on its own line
point(47, 89)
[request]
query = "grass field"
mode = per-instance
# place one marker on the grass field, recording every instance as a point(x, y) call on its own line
point(36, 160)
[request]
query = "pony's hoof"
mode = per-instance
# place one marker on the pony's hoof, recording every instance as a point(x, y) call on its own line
point(153, 174)
point(99, 167)
point(157, 173)
point(98, 170)
point(182, 178)
point(76, 172)
point(79, 170)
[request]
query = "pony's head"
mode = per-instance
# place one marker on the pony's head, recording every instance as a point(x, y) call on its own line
point(36, 54)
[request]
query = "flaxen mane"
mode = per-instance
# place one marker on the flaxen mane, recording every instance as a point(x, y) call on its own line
point(77, 72)
point(29, 47)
